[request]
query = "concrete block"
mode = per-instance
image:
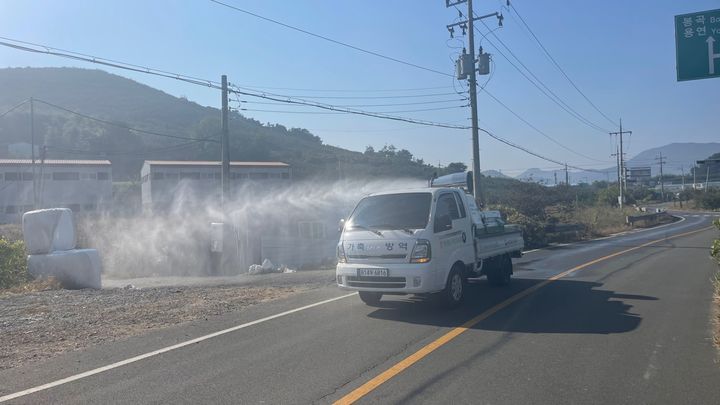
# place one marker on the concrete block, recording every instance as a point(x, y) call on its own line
point(49, 230)
point(74, 269)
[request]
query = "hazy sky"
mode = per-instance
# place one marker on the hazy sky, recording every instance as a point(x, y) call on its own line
point(621, 54)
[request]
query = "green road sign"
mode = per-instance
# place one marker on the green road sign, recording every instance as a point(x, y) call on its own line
point(697, 45)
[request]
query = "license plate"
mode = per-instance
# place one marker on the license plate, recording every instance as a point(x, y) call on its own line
point(372, 272)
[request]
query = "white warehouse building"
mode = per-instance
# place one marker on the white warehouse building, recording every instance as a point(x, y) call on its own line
point(164, 181)
point(81, 185)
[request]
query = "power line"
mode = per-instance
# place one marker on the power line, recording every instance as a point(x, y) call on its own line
point(106, 62)
point(237, 90)
point(370, 105)
point(557, 65)
point(15, 107)
point(390, 58)
point(292, 100)
point(378, 112)
point(537, 129)
point(207, 83)
point(120, 125)
point(545, 90)
point(528, 151)
point(359, 97)
point(260, 88)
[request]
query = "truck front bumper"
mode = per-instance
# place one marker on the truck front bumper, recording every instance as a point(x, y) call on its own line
point(406, 278)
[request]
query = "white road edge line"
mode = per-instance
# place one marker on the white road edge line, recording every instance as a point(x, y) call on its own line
point(163, 350)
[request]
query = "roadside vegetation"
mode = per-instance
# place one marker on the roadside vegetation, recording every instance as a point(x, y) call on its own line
point(13, 264)
point(715, 253)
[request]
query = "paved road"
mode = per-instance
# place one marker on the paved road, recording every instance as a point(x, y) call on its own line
point(630, 328)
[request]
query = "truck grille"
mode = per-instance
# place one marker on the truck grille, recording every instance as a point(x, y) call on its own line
point(376, 282)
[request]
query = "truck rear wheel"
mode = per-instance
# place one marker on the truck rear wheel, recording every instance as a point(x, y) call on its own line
point(501, 271)
point(370, 298)
point(454, 293)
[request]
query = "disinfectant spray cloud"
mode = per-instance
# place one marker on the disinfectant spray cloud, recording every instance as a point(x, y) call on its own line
point(293, 225)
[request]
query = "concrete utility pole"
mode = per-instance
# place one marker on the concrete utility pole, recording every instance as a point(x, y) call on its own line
point(32, 151)
point(472, 82)
point(707, 178)
point(617, 155)
point(621, 164)
point(662, 183)
point(468, 70)
point(567, 176)
point(555, 174)
point(225, 176)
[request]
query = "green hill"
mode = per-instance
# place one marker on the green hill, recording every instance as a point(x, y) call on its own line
point(122, 101)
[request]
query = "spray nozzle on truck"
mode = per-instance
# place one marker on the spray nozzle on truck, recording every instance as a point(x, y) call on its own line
point(424, 241)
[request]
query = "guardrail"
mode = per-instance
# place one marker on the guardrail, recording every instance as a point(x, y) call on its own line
point(646, 219)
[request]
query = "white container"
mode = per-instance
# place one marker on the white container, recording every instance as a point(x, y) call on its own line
point(49, 230)
point(74, 269)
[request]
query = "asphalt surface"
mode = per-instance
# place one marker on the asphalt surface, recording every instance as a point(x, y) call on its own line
point(632, 328)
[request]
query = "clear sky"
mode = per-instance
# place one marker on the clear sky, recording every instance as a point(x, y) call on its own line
point(621, 54)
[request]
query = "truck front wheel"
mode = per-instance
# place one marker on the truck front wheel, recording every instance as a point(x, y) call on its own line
point(454, 292)
point(370, 298)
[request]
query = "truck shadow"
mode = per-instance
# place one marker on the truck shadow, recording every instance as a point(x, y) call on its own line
point(563, 306)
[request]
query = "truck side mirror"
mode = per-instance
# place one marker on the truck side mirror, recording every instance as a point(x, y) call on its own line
point(341, 224)
point(442, 223)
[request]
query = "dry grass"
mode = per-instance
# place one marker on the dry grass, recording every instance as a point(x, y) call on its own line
point(37, 285)
point(11, 232)
point(602, 221)
point(716, 311)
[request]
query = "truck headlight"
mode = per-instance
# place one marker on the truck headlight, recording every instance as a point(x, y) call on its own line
point(421, 253)
point(340, 253)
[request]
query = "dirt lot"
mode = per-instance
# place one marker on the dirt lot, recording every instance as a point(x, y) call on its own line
point(40, 325)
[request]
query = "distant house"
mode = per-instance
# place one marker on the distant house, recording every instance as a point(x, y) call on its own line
point(167, 183)
point(81, 185)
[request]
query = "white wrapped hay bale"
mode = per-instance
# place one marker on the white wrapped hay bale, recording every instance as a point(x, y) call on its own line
point(49, 230)
point(74, 269)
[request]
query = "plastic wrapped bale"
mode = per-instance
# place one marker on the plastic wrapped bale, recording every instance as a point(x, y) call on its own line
point(74, 269)
point(49, 230)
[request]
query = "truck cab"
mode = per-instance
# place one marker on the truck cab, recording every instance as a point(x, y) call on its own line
point(418, 241)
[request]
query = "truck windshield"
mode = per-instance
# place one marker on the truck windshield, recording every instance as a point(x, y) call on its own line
point(392, 211)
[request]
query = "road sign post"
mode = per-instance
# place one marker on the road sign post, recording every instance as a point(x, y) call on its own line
point(697, 45)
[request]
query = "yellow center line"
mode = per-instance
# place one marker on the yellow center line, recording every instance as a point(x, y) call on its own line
point(455, 332)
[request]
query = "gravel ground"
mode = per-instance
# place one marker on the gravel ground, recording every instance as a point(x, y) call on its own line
point(40, 325)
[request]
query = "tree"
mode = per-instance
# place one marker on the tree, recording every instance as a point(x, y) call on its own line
point(455, 167)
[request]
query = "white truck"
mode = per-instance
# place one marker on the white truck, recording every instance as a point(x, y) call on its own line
point(424, 241)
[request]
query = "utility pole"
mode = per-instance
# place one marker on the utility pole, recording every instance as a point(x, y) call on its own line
point(555, 174)
point(225, 150)
point(694, 176)
point(472, 82)
point(621, 164)
point(707, 178)
point(467, 71)
point(682, 170)
point(32, 151)
point(617, 155)
point(567, 176)
point(662, 183)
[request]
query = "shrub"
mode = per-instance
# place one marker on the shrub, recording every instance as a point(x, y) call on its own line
point(715, 248)
point(533, 229)
point(13, 264)
point(708, 200)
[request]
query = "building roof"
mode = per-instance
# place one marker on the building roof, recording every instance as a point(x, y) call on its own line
point(21, 162)
point(213, 163)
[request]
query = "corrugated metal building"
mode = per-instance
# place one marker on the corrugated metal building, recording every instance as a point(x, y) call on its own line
point(166, 183)
point(81, 185)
